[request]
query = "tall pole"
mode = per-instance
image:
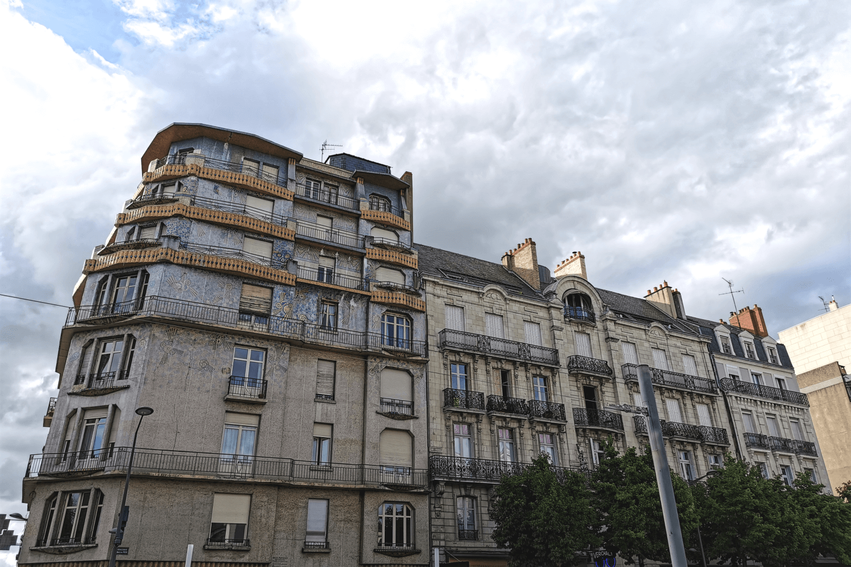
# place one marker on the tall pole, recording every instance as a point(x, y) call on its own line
point(663, 472)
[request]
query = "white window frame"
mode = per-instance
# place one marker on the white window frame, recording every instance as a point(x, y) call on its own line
point(462, 440)
point(399, 514)
point(547, 446)
point(317, 516)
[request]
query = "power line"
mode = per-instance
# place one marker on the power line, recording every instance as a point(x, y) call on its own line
point(34, 300)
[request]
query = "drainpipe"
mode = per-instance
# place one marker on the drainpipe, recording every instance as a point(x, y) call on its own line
point(726, 405)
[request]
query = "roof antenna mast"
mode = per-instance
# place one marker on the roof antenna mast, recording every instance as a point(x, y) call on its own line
point(825, 304)
point(731, 293)
point(325, 146)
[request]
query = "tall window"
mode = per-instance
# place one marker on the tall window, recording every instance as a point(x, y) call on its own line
point(312, 189)
point(725, 344)
point(395, 448)
point(506, 446)
point(748, 420)
point(396, 331)
point(773, 428)
point(454, 318)
point(505, 383)
point(325, 271)
point(458, 376)
point(781, 382)
point(379, 203)
point(92, 439)
point(258, 251)
point(76, 520)
point(583, 344)
point(229, 523)
point(597, 452)
point(749, 351)
point(539, 387)
point(578, 306)
point(630, 355)
point(326, 370)
point(787, 474)
point(772, 355)
point(689, 365)
point(548, 447)
point(238, 443)
point(124, 293)
point(466, 508)
point(255, 303)
point(259, 208)
point(395, 525)
point(673, 407)
point(533, 333)
point(328, 315)
point(797, 430)
point(248, 367)
point(396, 395)
point(686, 470)
point(756, 378)
point(660, 359)
point(110, 358)
point(462, 440)
point(127, 293)
point(704, 416)
point(316, 535)
point(322, 433)
point(493, 326)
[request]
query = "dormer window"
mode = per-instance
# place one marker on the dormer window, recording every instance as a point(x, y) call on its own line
point(578, 306)
point(726, 348)
point(749, 351)
point(772, 355)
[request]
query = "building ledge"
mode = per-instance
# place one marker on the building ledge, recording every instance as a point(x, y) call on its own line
point(397, 551)
point(64, 548)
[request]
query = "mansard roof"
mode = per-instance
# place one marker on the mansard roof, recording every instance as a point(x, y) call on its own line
point(707, 327)
point(639, 310)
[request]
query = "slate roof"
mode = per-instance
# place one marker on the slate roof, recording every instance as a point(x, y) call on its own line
point(707, 327)
point(639, 309)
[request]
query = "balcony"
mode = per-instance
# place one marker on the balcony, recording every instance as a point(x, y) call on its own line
point(463, 400)
point(699, 433)
point(514, 406)
point(468, 535)
point(579, 314)
point(242, 544)
point(396, 409)
point(226, 252)
point(492, 346)
point(540, 409)
point(241, 388)
point(780, 444)
point(380, 242)
point(327, 197)
point(293, 329)
point(99, 384)
point(315, 546)
point(331, 277)
point(48, 416)
point(598, 419)
point(387, 217)
point(577, 364)
point(325, 234)
point(671, 379)
point(224, 466)
point(765, 392)
point(478, 470)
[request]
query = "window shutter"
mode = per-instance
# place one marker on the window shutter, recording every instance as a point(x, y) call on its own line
point(231, 508)
point(636, 399)
point(767, 379)
point(325, 370)
point(750, 425)
point(493, 325)
point(256, 299)
point(324, 222)
point(389, 275)
point(322, 430)
point(257, 247)
point(454, 318)
point(745, 374)
point(722, 369)
point(396, 385)
point(385, 234)
point(797, 431)
point(703, 415)
point(395, 448)
point(773, 430)
point(326, 261)
point(630, 355)
point(250, 167)
point(96, 413)
point(249, 419)
point(270, 173)
point(583, 344)
point(533, 334)
point(660, 360)
point(674, 411)
point(148, 233)
point(256, 206)
point(690, 365)
point(317, 520)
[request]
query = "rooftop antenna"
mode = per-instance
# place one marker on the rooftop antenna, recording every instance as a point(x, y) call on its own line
point(825, 304)
point(325, 146)
point(731, 293)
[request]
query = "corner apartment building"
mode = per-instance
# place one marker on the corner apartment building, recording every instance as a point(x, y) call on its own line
point(265, 305)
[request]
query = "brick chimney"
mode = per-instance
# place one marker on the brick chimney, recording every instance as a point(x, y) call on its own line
point(523, 261)
point(663, 297)
point(573, 266)
point(750, 320)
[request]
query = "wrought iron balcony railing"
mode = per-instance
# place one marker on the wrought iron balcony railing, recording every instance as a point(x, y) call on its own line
point(65, 542)
point(701, 433)
point(379, 241)
point(315, 544)
point(463, 399)
point(220, 465)
point(102, 380)
point(238, 208)
point(51, 407)
point(468, 535)
point(587, 365)
point(493, 346)
point(482, 470)
point(546, 410)
point(294, 329)
point(672, 379)
point(579, 314)
point(319, 232)
point(227, 543)
point(244, 387)
point(330, 276)
point(757, 440)
point(327, 196)
point(501, 404)
point(398, 407)
point(780, 444)
point(597, 418)
point(765, 392)
point(279, 178)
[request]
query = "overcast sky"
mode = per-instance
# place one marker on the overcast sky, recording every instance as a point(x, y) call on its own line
point(672, 140)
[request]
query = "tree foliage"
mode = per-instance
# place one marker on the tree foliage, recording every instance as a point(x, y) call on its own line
point(543, 518)
point(829, 519)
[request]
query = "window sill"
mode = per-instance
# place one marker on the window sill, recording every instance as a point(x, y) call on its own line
point(324, 401)
point(245, 399)
point(226, 547)
point(397, 416)
point(63, 549)
point(316, 550)
point(77, 391)
point(397, 551)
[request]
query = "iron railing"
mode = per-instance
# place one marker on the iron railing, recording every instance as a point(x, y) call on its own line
point(51, 407)
point(326, 196)
point(672, 379)
point(493, 346)
point(279, 179)
point(766, 392)
point(463, 399)
point(319, 232)
point(315, 544)
point(780, 444)
point(468, 535)
point(701, 433)
point(387, 208)
point(102, 381)
point(579, 314)
point(228, 543)
point(716, 435)
point(546, 410)
point(238, 208)
point(501, 404)
point(484, 470)
point(583, 417)
point(65, 541)
point(400, 407)
point(330, 276)
point(587, 365)
point(294, 329)
point(397, 287)
point(231, 253)
point(387, 242)
point(245, 387)
point(220, 465)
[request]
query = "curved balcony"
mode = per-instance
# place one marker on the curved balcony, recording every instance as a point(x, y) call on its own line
point(331, 277)
point(406, 259)
point(387, 218)
point(325, 234)
point(579, 314)
point(577, 364)
point(327, 197)
point(546, 410)
point(463, 400)
point(380, 242)
point(764, 392)
point(130, 245)
point(500, 404)
point(597, 419)
point(451, 339)
point(398, 298)
point(671, 379)
point(780, 444)
point(465, 469)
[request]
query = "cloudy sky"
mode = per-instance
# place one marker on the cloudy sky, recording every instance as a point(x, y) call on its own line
point(665, 140)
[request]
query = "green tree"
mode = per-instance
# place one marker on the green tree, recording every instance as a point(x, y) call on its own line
point(544, 518)
point(844, 491)
point(828, 519)
point(626, 496)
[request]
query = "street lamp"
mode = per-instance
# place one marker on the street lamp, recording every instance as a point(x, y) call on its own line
point(125, 511)
point(660, 463)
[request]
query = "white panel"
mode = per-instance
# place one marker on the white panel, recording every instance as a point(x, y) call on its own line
point(583, 344)
point(231, 508)
point(773, 429)
point(385, 234)
point(689, 365)
point(533, 334)
point(242, 419)
point(395, 448)
point(96, 413)
point(270, 172)
point(493, 325)
point(630, 355)
point(325, 370)
point(454, 318)
point(317, 520)
point(257, 247)
point(396, 385)
point(660, 360)
point(704, 415)
point(264, 205)
point(673, 410)
point(322, 430)
point(390, 275)
point(750, 425)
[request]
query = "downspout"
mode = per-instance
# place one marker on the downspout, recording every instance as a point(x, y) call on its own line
point(726, 405)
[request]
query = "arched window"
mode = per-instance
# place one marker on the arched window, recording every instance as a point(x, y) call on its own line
point(379, 203)
point(396, 331)
point(395, 525)
point(578, 306)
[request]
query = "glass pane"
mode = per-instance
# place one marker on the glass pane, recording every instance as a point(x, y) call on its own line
point(246, 444)
point(238, 367)
point(230, 440)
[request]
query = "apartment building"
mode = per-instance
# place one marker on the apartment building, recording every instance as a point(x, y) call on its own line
point(265, 306)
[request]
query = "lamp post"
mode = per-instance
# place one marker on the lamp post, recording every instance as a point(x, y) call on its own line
point(125, 512)
point(660, 463)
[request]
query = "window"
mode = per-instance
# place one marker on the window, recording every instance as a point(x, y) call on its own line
point(505, 383)
point(597, 452)
point(689, 365)
point(270, 173)
point(382, 235)
point(466, 507)
point(533, 333)
point(258, 251)
point(259, 208)
point(686, 470)
point(787, 475)
point(763, 469)
point(458, 376)
point(379, 203)
point(247, 367)
point(324, 227)
point(733, 372)
point(493, 326)
point(673, 407)
point(750, 424)
point(811, 474)
point(255, 304)
point(756, 378)
point(797, 430)
point(238, 442)
point(583, 344)
point(229, 523)
point(123, 294)
point(312, 189)
point(454, 318)
point(715, 462)
point(330, 194)
point(395, 450)
point(548, 447)
point(389, 275)
point(328, 316)
point(704, 416)
point(396, 395)
point(539, 387)
point(250, 167)
point(74, 522)
point(322, 444)
point(325, 271)
point(462, 440)
point(506, 446)
point(396, 331)
point(325, 372)
point(148, 232)
point(749, 352)
point(781, 383)
point(773, 429)
point(110, 359)
point(395, 526)
point(772, 355)
point(660, 359)
point(726, 348)
point(316, 535)
point(630, 355)
point(578, 306)
point(92, 438)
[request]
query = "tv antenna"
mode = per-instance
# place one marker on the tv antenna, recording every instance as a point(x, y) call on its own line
point(825, 304)
point(325, 146)
point(731, 293)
